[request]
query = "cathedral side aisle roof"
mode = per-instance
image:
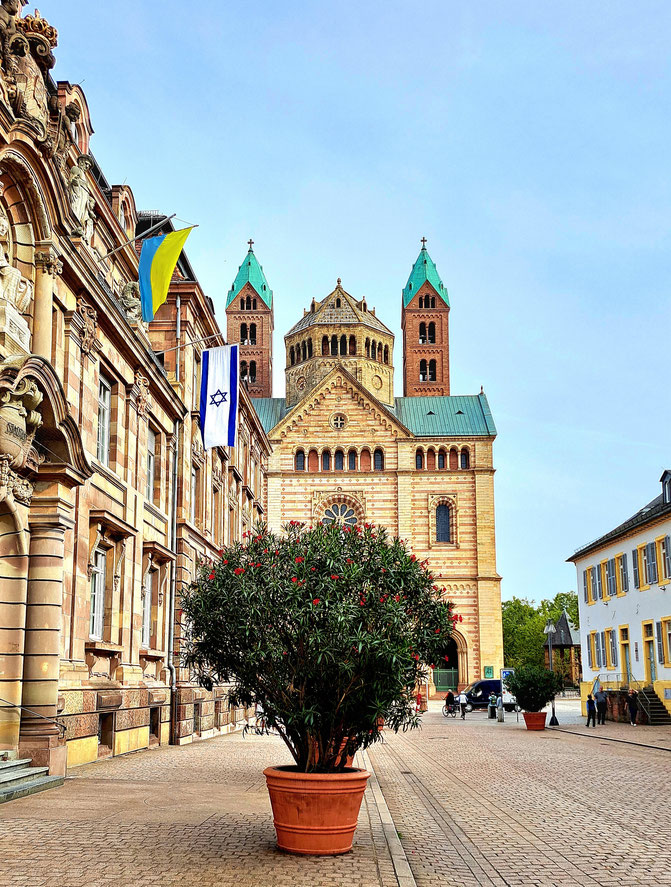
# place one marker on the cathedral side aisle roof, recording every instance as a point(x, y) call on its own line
point(454, 416)
point(424, 270)
point(251, 272)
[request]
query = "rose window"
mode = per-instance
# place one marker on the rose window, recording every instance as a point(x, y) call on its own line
point(339, 514)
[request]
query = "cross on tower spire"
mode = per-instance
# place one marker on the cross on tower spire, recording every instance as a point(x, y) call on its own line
point(251, 244)
point(423, 242)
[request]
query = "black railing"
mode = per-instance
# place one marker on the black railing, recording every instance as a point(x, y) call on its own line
point(37, 714)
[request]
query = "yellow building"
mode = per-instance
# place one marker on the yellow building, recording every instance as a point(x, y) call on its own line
point(345, 449)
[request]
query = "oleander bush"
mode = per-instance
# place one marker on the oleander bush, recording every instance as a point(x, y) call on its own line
point(329, 628)
point(533, 687)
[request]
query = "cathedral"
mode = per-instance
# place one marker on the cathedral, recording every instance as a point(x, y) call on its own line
point(344, 449)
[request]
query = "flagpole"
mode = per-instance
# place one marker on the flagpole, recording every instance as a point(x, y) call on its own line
point(139, 236)
point(186, 344)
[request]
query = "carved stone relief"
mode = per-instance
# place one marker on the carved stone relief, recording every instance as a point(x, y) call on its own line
point(130, 302)
point(143, 396)
point(90, 318)
point(81, 200)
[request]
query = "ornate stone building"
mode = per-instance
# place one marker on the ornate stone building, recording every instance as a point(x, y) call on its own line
point(107, 500)
point(345, 449)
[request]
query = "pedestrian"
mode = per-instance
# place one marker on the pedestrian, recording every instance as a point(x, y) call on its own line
point(449, 700)
point(463, 701)
point(591, 711)
point(499, 709)
point(632, 705)
point(601, 704)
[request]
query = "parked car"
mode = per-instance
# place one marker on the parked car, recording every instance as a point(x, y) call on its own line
point(478, 694)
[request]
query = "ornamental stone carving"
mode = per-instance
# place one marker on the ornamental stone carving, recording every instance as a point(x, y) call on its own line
point(19, 421)
point(143, 397)
point(14, 288)
point(81, 199)
point(130, 302)
point(90, 318)
point(47, 261)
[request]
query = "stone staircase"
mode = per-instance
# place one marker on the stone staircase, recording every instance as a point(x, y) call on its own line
point(658, 714)
point(18, 779)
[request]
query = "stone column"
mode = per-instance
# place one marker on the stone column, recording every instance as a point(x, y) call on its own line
point(40, 739)
point(47, 268)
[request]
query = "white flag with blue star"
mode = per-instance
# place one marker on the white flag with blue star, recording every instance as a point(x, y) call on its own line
point(219, 396)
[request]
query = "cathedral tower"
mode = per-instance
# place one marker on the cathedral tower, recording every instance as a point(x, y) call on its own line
point(425, 324)
point(250, 321)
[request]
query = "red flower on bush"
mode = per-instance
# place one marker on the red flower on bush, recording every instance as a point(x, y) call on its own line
point(299, 560)
point(239, 570)
point(225, 562)
point(412, 557)
point(315, 601)
point(211, 576)
point(294, 578)
point(312, 569)
point(437, 631)
point(335, 576)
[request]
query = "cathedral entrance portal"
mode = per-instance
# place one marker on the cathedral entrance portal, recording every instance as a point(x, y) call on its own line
point(447, 677)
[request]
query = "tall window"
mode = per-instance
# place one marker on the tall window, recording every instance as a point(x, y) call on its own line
point(252, 334)
point(441, 459)
point(104, 419)
point(194, 494)
point(379, 460)
point(422, 333)
point(634, 566)
point(300, 461)
point(146, 609)
point(292, 357)
point(151, 464)
point(465, 459)
point(650, 562)
point(432, 333)
point(334, 346)
point(325, 345)
point(343, 344)
point(443, 523)
point(326, 460)
point(665, 551)
point(624, 574)
point(252, 371)
point(309, 347)
point(243, 334)
point(244, 372)
point(422, 371)
point(196, 383)
point(97, 615)
point(419, 460)
point(339, 460)
point(611, 583)
point(432, 371)
point(351, 460)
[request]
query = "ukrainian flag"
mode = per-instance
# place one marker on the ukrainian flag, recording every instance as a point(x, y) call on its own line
point(157, 262)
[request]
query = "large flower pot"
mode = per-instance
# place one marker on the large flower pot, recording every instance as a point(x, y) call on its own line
point(315, 813)
point(535, 720)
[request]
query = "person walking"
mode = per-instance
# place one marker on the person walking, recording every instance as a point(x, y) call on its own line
point(591, 711)
point(499, 709)
point(601, 704)
point(463, 701)
point(632, 705)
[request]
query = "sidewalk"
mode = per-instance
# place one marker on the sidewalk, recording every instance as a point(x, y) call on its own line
point(191, 815)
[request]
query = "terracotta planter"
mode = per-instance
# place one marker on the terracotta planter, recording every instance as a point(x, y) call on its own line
point(315, 814)
point(535, 720)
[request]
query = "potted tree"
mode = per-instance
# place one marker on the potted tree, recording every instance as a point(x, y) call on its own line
point(533, 687)
point(330, 629)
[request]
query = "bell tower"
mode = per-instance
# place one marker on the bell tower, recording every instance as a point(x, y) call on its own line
point(250, 321)
point(425, 323)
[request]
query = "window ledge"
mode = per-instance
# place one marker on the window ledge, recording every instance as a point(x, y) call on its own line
point(102, 646)
point(147, 653)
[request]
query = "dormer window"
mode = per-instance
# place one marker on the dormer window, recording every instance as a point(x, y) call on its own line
point(337, 303)
point(666, 487)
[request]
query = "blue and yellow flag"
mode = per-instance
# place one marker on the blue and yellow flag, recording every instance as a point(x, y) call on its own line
point(157, 262)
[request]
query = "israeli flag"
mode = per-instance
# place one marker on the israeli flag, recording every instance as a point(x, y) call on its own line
point(219, 396)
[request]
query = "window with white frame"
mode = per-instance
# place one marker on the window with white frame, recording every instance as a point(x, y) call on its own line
point(146, 609)
point(665, 551)
point(97, 602)
point(624, 574)
point(194, 494)
point(151, 464)
point(650, 563)
point(611, 582)
point(104, 419)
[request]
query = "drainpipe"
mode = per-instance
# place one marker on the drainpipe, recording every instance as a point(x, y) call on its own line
point(173, 580)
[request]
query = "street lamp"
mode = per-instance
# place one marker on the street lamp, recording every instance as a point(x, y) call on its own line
point(549, 630)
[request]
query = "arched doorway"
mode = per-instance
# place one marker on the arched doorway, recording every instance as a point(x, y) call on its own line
point(447, 676)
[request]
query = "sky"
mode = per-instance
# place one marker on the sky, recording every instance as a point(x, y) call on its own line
point(529, 142)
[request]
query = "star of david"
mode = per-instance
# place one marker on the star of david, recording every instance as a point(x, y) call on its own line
point(218, 398)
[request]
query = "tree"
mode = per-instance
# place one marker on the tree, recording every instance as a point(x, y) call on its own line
point(330, 629)
point(523, 624)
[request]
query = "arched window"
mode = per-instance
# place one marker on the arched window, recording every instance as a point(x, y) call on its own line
point(351, 460)
point(339, 461)
point(252, 334)
point(379, 351)
point(364, 460)
point(343, 344)
point(432, 333)
point(363, 307)
point(325, 346)
point(422, 333)
point(252, 371)
point(422, 371)
point(465, 459)
point(433, 302)
point(454, 459)
point(326, 460)
point(299, 460)
point(309, 347)
point(352, 344)
point(292, 356)
point(441, 460)
point(373, 349)
point(242, 304)
point(337, 303)
point(379, 460)
point(243, 334)
point(334, 346)
point(386, 353)
point(243, 371)
point(421, 302)
point(432, 371)
point(367, 347)
point(443, 524)
point(304, 351)
point(248, 304)
point(431, 460)
point(313, 460)
point(419, 460)
point(254, 304)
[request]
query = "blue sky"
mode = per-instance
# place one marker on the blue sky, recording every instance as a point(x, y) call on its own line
point(528, 141)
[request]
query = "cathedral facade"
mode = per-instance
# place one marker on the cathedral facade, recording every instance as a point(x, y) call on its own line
point(346, 450)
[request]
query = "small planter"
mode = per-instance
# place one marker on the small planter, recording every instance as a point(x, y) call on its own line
point(315, 814)
point(535, 720)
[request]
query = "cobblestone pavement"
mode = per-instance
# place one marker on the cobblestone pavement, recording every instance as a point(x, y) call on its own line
point(479, 803)
point(193, 816)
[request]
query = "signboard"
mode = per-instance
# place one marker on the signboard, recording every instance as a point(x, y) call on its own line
point(489, 671)
point(508, 698)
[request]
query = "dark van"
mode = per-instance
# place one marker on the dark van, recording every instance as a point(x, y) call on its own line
point(478, 694)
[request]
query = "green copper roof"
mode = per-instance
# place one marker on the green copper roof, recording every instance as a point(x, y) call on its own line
point(455, 415)
point(251, 272)
point(270, 410)
point(424, 269)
